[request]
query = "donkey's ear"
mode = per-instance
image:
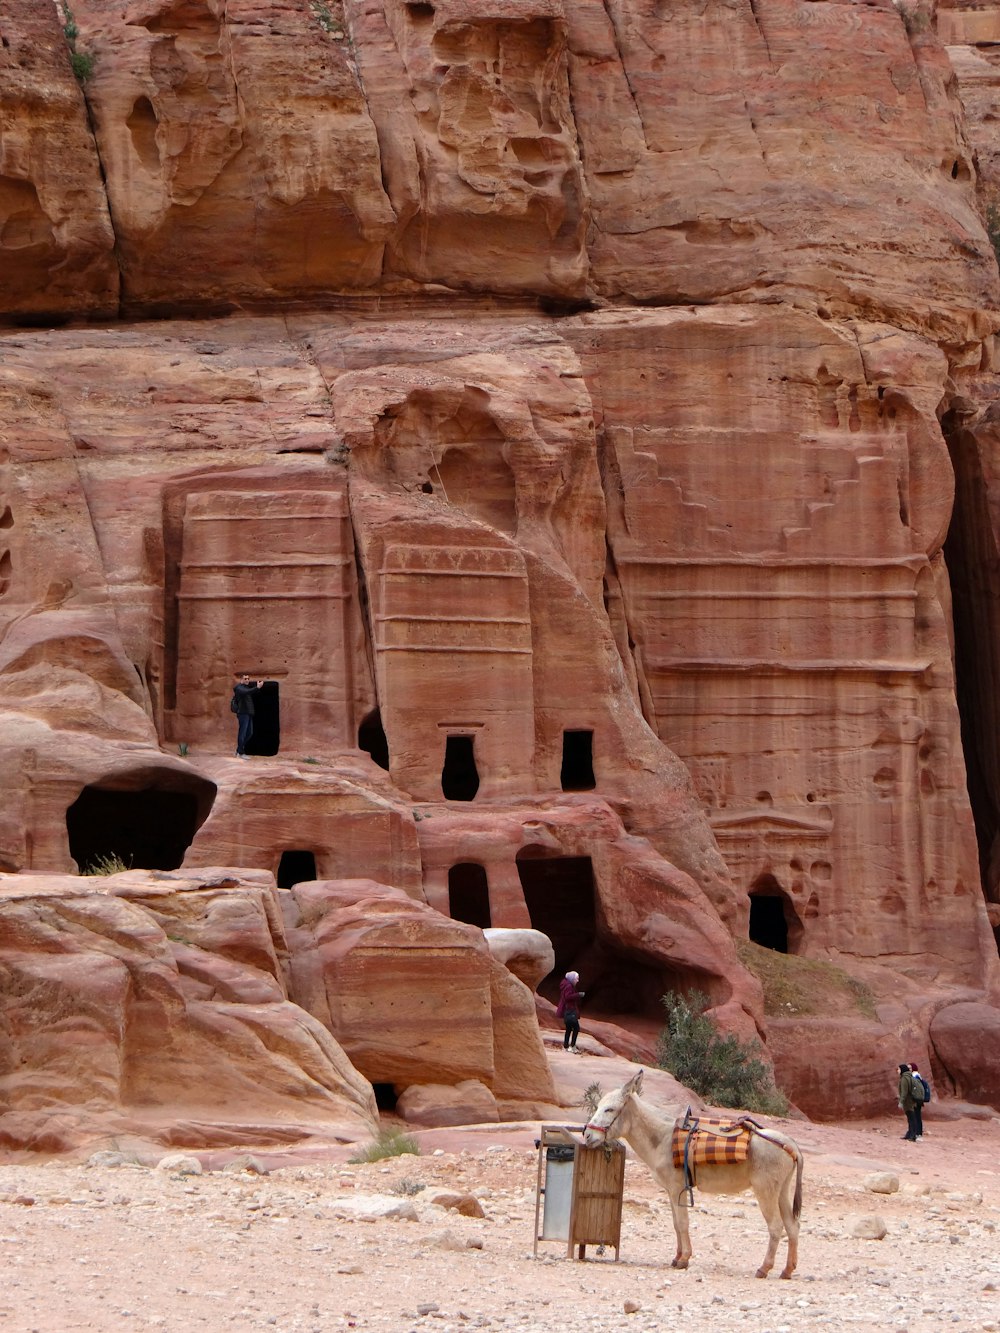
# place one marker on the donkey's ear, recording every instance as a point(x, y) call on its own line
point(634, 1086)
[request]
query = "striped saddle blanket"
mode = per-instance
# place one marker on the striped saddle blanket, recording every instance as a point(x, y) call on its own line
point(698, 1141)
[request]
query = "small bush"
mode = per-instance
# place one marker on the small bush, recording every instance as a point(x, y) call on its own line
point(82, 62)
point(108, 864)
point(332, 26)
point(592, 1097)
point(408, 1188)
point(390, 1143)
point(83, 65)
point(722, 1069)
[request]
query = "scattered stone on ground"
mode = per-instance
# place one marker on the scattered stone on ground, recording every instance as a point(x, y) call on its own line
point(111, 1248)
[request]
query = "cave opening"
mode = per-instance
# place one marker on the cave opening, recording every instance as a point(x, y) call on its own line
point(971, 557)
point(373, 740)
point(560, 893)
point(774, 923)
point(295, 867)
point(145, 821)
point(266, 737)
point(578, 761)
point(768, 926)
point(560, 896)
point(385, 1096)
point(459, 776)
point(469, 894)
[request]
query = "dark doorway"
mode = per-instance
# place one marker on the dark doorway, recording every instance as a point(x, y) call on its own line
point(295, 867)
point(459, 777)
point(469, 894)
point(578, 761)
point(148, 828)
point(559, 895)
point(768, 926)
point(385, 1096)
point(774, 923)
point(372, 739)
point(266, 736)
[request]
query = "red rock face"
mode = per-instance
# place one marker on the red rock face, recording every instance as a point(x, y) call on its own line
point(154, 1008)
point(612, 597)
point(56, 238)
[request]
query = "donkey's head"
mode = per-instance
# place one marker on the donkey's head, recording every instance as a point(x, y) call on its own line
point(601, 1125)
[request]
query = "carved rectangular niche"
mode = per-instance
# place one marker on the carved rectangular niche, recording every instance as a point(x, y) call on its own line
point(263, 581)
point(453, 640)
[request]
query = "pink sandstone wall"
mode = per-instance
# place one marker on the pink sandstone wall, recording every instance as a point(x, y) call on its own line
point(488, 373)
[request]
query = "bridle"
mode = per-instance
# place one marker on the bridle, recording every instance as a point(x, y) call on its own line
point(605, 1129)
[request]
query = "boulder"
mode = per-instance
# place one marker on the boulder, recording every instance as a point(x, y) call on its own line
point(966, 1039)
point(374, 1208)
point(413, 997)
point(432, 1105)
point(867, 1227)
point(150, 1007)
point(526, 953)
point(881, 1182)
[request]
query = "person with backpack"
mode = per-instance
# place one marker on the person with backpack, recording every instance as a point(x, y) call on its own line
point(908, 1103)
point(922, 1095)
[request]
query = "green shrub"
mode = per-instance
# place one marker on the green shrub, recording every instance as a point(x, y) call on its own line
point(720, 1068)
point(390, 1143)
point(83, 65)
point(81, 61)
point(109, 863)
point(331, 25)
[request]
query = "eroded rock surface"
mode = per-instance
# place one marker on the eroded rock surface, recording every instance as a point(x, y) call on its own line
point(198, 1010)
point(575, 461)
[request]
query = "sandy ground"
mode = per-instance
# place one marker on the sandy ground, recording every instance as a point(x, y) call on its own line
point(133, 1247)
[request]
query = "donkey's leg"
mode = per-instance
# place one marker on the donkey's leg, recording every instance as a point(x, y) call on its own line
point(791, 1223)
point(679, 1208)
point(767, 1201)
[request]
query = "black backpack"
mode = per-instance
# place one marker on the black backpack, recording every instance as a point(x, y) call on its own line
point(919, 1088)
point(925, 1085)
point(233, 705)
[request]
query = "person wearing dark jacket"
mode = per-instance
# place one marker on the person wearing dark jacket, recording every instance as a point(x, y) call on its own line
point(908, 1103)
point(243, 707)
point(918, 1108)
point(568, 1009)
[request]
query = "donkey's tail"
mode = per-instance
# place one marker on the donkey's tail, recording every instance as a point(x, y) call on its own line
point(800, 1162)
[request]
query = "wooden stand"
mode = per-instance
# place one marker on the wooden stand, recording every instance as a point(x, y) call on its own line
point(578, 1196)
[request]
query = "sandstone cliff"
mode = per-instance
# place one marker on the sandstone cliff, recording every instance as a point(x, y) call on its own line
point(563, 408)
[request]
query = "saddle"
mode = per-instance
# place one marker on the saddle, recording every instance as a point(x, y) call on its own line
point(700, 1141)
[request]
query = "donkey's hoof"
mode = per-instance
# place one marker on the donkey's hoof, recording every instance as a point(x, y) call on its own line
point(678, 1263)
point(762, 1272)
point(787, 1273)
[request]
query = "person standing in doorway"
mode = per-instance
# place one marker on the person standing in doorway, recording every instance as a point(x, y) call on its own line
point(568, 1008)
point(243, 706)
point(908, 1103)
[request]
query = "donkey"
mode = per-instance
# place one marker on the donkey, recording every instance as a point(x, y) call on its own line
point(773, 1170)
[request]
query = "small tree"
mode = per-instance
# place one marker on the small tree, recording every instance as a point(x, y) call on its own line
point(720, 1068)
